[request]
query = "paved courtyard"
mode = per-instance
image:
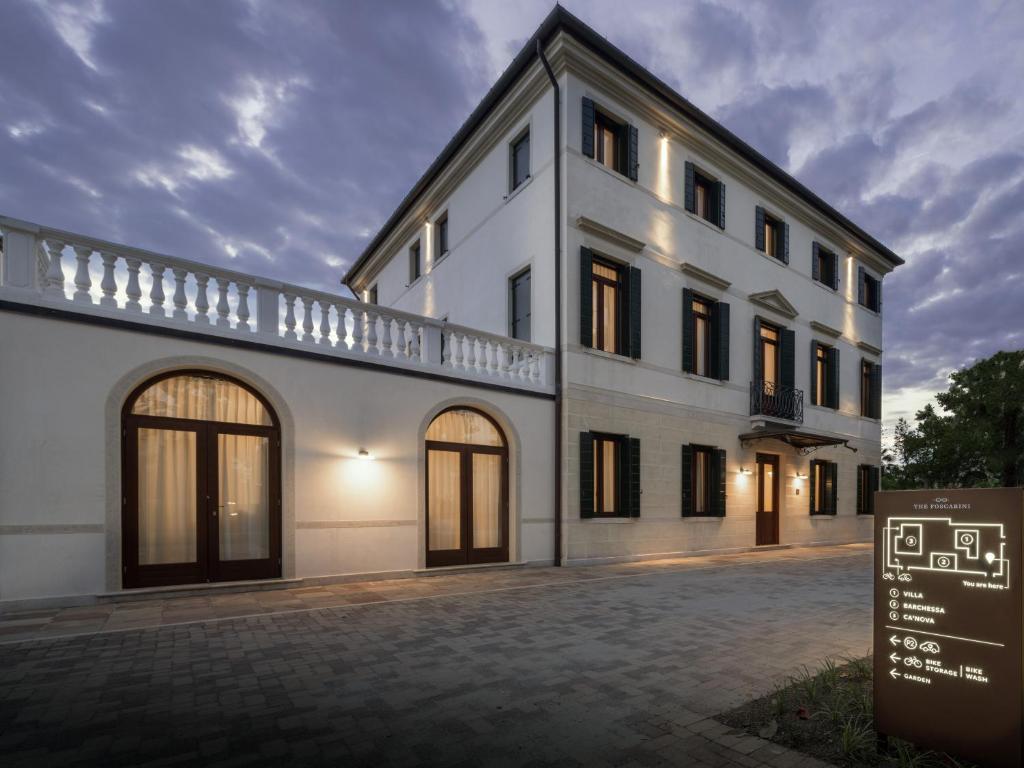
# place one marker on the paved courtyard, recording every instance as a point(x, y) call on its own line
point(599, 666)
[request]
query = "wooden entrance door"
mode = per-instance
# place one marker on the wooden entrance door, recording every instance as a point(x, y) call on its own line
point(767, 499)
point(202, 484)
point(467, 490)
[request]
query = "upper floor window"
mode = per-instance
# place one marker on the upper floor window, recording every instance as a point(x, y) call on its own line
point(824, 266)
point(824, 487)
point(609, 475)
point(371, 294)
point(870, 389)
point(519, 306)
point(769, 344)
point(613, 143)
point(705, 336)
point(771, 235)
point(704, 196)
point(519, 160)
point(824, 375)
point(441, 237)
point(869, 290)
point(415, 262)
point(609, 305)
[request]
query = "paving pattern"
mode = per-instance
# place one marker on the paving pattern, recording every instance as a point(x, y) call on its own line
point(604, 666)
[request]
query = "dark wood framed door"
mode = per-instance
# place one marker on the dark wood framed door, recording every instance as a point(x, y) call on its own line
point(767, 499)
point(202, 498)
point(467, 504)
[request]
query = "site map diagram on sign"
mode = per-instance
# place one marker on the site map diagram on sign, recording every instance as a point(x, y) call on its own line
point(940, 544)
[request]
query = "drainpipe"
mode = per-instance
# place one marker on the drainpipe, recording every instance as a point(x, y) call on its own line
point(558, 304)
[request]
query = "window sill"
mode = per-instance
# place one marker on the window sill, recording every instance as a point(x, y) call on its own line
point(825, 286)
point(704, 379)
point(617, 520)
point(437, 262)
point(776, 261)
point(609, 355)
point(415, 282)
point(704, 518)
point(710, 224)
point(865, 514)
point(512, 195)
point(828, 408)
point(875, 312)
point(824, 515)
point(610, 171)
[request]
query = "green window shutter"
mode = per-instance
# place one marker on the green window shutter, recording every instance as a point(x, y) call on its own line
point(876, 391)
point(721, 205)
point(835, 272)
point(875, 476)
point(586, 299)
point(718, 476)
point(633, 153)
point(833, 489)
point(784, 234)
point(813, 490)
point(860, 286)
point(586, 474)
point(687, 481)
point(689, 197)
point(759, 228)
point(815, 270)
point(758, 362)
point(720, 340)
point(634, 312)
point(861, 490)
point(814, 372)
point(587, 139)
point(688, 331)
point(629, 476)
point(832, 380)
point(787, 357)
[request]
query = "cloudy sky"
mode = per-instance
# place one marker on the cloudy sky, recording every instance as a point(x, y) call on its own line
point(276, 137)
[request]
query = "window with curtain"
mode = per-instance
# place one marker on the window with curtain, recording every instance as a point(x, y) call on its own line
point(606, 288)
point(202, 398)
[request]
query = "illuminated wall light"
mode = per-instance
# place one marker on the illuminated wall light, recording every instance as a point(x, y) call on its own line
point(365, 455)
point(745, 471)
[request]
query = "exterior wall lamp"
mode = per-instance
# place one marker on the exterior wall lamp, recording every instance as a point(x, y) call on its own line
point(745, 471)
point(365, 455)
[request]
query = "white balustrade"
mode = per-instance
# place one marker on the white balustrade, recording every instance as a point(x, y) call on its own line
point(330, 324)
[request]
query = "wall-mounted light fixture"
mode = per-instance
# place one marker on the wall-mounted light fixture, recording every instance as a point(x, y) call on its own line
point(365, 455)
point(663, 135)
point(745, 471)
point(801, 475)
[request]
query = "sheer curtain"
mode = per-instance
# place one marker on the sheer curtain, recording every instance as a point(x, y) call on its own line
point(443, 502)
point(244, 513)
point(203, 398)
point(167, 496)
point(486, 500)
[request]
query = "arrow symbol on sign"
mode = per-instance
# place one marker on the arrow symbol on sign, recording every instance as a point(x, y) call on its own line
point(894, 640)
point(894, 674)
point(894, 658)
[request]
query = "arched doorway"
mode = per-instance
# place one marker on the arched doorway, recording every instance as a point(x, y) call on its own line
point(202, 482)
point(467, 489)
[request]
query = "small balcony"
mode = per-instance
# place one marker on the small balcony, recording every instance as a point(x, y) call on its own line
point(776, 401)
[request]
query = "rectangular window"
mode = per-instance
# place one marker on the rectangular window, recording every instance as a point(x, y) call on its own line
point(769, 354)
point(824, 266)
point(609, 142)
point(705, 198)
point(701, 337)
point(519, 161)
point(441, 237)
point(519, 306)
point(606, 475)
point(820, 373)
point(371, 295)
point(868, 478)
point(606, 296)
point(702, 482)
point(772, 236)
point(824, 476)
point(870, 389)
point(871, 292)
point(415, 263)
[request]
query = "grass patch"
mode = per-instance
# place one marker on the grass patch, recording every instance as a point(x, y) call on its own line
point(828, 713)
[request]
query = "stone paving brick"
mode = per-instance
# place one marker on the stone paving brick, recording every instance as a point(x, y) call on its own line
point(609, 666)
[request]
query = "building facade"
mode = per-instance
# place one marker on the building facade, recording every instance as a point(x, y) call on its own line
point(600, 327)
point(722, 326)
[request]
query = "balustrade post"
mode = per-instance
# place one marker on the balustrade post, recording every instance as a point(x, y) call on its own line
point(358, 326)
point(108, 285)
point(83, 281)
point(20, 254)
point(415, 329)
point(268, 308)
point(470, 352)
point(133, 290)
point(325, 322)
point(242, 311)
point(385, 344)
point(55, 271)
point(371, 333)
point(289, 317)
point(202, 302)
point(457, 350)
point(180, 300)
point(341, 329)
point(307, 318)
point(400, 340)
point(223, 308)
point(156, 293)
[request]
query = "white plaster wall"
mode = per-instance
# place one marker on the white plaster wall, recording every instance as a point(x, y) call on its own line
point(61, 387)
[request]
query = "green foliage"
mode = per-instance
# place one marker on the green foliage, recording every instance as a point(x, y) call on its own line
point(979, 439)
point(856, 738)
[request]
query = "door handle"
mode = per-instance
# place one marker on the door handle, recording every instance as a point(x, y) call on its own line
point(214, 512)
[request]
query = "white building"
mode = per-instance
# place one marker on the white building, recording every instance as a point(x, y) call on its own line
point(645, 387)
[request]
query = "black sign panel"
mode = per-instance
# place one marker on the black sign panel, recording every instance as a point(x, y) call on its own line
point(948, 621)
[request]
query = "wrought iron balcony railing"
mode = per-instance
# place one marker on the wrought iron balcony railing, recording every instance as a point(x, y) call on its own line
point(776, 401)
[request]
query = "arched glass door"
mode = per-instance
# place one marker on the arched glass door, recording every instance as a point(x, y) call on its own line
point(202, 498)
point(467, 489)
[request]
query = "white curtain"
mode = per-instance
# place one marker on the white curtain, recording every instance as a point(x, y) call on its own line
point(462, 426)
point(204, 398)
point(244, 513)
point(443, 503)
point(167, 496)
point(486, 500)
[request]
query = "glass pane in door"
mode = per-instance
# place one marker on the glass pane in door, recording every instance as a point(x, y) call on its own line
point(167, 496)
point(486, 500)
point(243, 486)
point(767, 488)
point(444, 481)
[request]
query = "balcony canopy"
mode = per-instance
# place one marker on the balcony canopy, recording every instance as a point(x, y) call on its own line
point(803, 440)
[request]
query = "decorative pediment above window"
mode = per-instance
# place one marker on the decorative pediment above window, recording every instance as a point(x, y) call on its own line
point(869, 348)
point(828, 330)
point(705, 277)
point(775, 301)
point(612, 235)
